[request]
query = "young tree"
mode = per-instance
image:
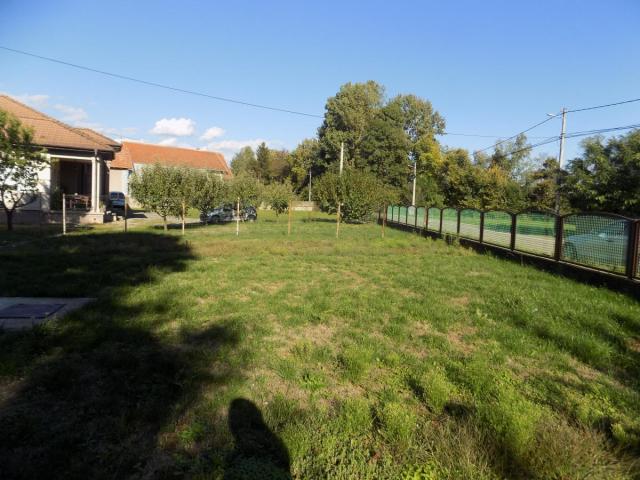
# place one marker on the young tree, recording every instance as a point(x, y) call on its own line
point(209, 191)
point(279, 196)
point(20, 163)
point(248, 189)
point(156, 187)
point(360, 193)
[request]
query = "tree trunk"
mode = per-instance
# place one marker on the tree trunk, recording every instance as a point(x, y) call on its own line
point(164, 222)
point(9, 214)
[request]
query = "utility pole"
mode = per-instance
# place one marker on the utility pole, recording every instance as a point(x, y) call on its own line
point(415, 174)
point(339, 199)
point(560, 158)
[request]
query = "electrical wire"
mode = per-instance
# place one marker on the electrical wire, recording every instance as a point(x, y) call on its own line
point(514, 136)
point(160, 85)
point(603, 106)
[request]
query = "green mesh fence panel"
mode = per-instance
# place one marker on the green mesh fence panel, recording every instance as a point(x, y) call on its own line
point(497, 228)
point(395, 213)
point(434, 219)
point(450, 220)
point(411, 215)
point(421, 217)
point(470, 224)
point(390, 213)
point(403, 215)
point(598, 241)
point(536, 233)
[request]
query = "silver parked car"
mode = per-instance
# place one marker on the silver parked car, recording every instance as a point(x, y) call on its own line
point(605, 247)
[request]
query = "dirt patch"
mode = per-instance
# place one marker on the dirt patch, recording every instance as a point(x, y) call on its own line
point(462, 301)
point(633, 344)
point(475, 273)
point(456, 338)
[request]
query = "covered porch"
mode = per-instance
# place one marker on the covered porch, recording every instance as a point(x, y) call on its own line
point(82, 182)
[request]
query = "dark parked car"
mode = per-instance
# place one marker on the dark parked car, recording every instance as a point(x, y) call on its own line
point(116, 200)
point(227, 213)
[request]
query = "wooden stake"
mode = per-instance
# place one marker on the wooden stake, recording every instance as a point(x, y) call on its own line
point(384, 220)
point(64, 214)
point(338, 221)
point(184, 212)
point(126, 212)
point(238, 218)
point(289, 226)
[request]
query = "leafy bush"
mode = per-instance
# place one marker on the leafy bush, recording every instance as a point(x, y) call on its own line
point(278, 196)
point(208, 191)
point(361, 194)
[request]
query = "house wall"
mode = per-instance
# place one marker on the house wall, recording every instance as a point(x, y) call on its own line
point(119, 181)
point(44, 191)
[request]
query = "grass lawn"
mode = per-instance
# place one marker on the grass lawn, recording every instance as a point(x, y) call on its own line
point(267, 356)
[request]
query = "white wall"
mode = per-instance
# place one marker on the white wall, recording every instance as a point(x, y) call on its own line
point(119, 181)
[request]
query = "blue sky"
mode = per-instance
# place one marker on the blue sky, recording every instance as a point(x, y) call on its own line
point(490, 68)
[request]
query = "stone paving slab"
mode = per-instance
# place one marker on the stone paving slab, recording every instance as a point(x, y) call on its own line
point(21, 323)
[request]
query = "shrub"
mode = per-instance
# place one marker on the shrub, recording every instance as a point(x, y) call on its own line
point(360, 193)
point(278, 196)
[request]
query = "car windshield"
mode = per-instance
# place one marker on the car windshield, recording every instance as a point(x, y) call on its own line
point(614, 229)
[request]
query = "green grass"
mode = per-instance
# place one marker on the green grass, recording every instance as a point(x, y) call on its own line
point(268, 356)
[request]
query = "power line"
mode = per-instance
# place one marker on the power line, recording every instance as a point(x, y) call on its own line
point(601, 130)
point(159, 85)
point(603, 106)
point(514, 136)
point(478, 135)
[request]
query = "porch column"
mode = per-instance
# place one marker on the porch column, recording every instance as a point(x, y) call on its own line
point(98, 183)
point(94, 168)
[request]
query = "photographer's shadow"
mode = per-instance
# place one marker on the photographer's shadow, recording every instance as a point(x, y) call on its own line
point(258, 453)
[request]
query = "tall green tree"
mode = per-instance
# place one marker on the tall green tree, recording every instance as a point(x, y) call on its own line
point(279, 165)
point(20, 163)
point(347, 118)
point(607, 175)
point(303, 159)
point(244, 162)
point(263, 160)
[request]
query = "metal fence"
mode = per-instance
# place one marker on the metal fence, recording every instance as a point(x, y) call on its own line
point(600, 241)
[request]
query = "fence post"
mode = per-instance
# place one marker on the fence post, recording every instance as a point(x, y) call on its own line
point(558, 247)
point(481, 227)
point(415, 214)
point(441, 215)
point(513, 231)
point(459, 212)
point(406, 215)
point(426, 218)
point(632, 253)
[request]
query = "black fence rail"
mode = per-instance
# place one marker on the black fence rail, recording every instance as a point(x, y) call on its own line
point(598, 241)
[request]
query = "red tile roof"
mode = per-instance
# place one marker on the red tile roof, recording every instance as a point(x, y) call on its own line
point(49, 132)
point(133, 152)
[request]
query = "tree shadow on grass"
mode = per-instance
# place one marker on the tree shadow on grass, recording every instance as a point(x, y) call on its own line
point(258, 453)
point(90, 396)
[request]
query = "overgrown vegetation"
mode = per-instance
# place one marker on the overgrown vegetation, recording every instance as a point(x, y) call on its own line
point(386, 136)
point(360, 358)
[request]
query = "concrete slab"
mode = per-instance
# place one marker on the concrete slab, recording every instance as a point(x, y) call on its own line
point(21, 322)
